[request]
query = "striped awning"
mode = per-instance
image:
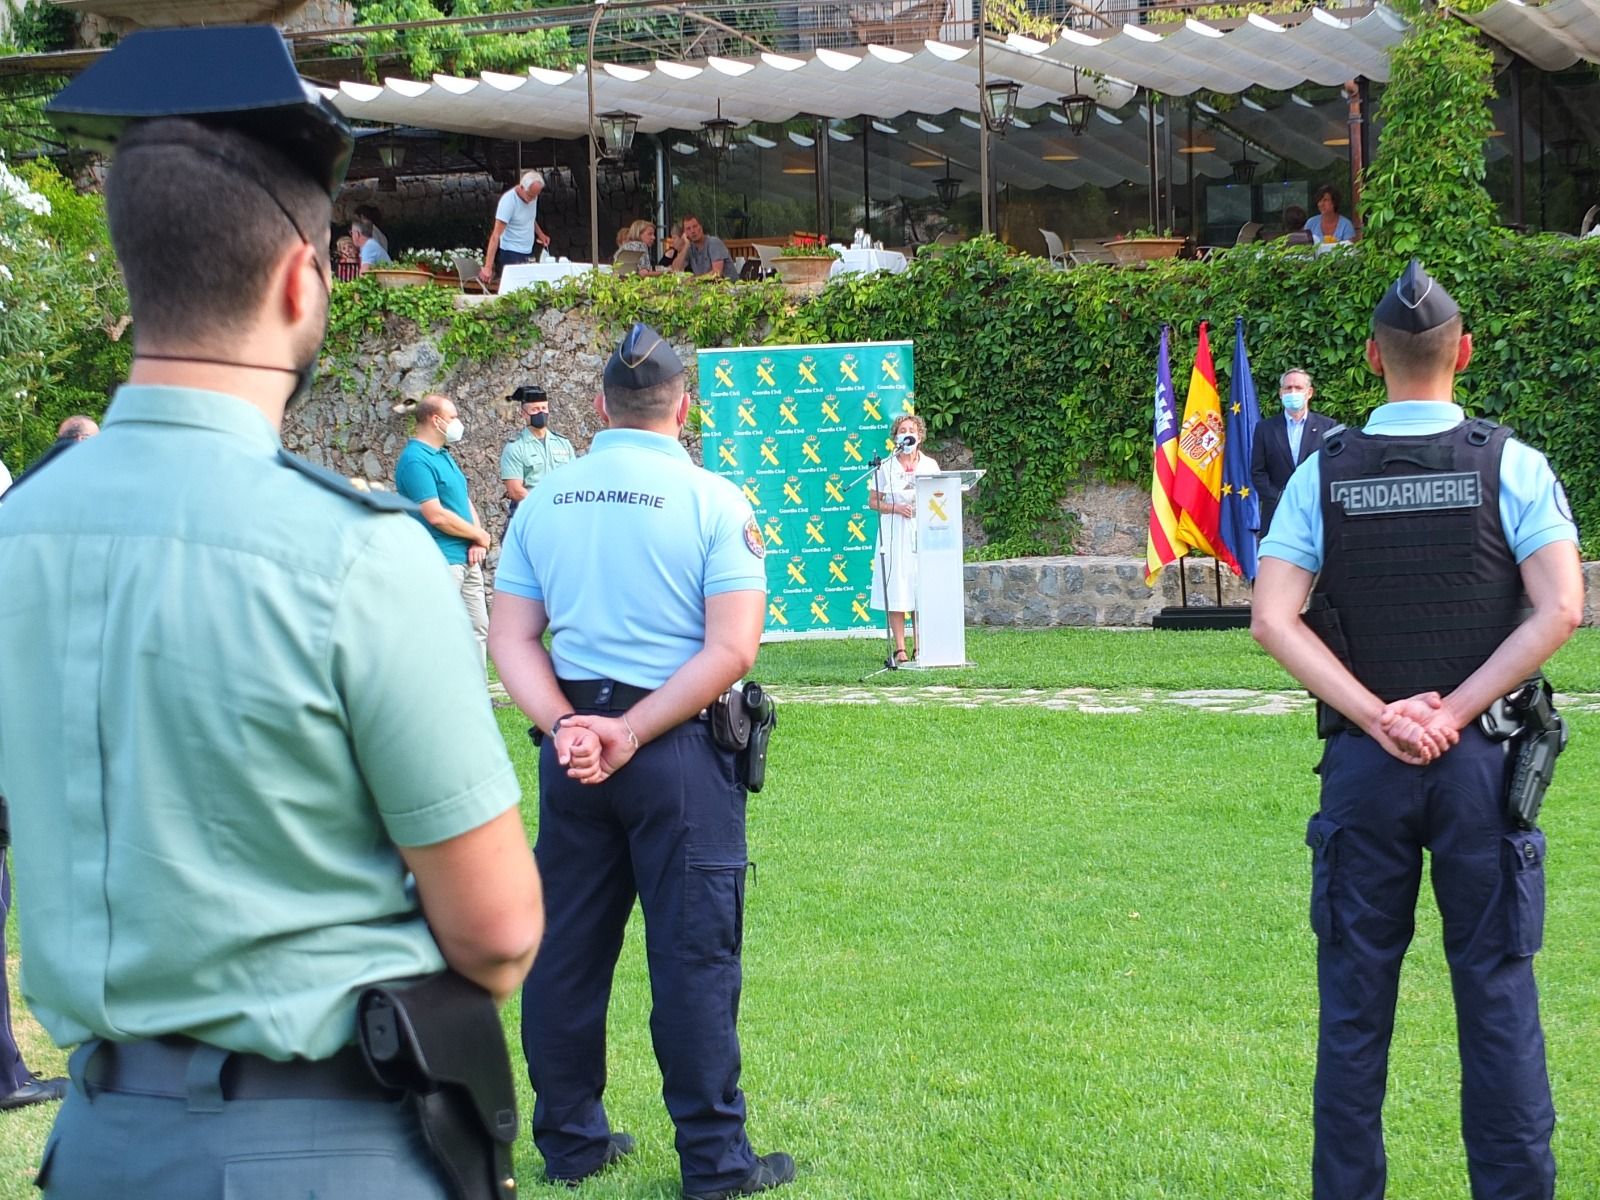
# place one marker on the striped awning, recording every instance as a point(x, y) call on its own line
point(1551, 36)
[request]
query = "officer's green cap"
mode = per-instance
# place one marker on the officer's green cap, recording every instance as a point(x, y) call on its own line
point(1415, 303)
point(643, 360)
point(240, 77)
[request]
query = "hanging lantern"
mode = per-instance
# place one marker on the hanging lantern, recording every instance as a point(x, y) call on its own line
point(1000, 104)
point(615, 133)
point(947, 187)
point(718, 131)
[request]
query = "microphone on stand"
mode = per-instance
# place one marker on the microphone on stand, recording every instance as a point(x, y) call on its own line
point(905, 441)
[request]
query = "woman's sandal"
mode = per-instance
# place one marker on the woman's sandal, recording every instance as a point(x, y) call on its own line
point(899, 657)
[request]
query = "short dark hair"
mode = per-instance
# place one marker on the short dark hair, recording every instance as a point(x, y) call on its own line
point(368, 212)
point(1427, 353)
point(1330, 192)
point(644, 404)
point(196, 231)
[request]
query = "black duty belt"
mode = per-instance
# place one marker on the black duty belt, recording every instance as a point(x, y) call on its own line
point(602, 695)
point(161, 1068)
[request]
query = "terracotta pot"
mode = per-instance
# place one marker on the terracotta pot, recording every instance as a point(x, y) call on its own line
point(803, 270)
point(401, 276)
point(1137, 250)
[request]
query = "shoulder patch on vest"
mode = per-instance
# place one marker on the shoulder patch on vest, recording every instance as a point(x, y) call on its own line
point(387, 502)
point(1333, 440)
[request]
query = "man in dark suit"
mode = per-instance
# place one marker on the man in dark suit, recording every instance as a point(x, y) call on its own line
point(1285, 440)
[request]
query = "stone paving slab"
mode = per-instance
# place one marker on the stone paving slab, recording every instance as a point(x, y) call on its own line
point(1243, 701)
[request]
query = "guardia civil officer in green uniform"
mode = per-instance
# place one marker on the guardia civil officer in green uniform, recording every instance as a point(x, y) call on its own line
point(223, 743)
point(648, 572)
point(1441, 564)
point(534, 452)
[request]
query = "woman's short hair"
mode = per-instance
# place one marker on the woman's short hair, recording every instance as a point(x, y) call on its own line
point(1331, 192)
point(636, 230)
point(912, 420)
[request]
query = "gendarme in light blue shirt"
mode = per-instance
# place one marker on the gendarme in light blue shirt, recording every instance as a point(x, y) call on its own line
point(1533, 509)
point(217, 723)
point(622, 547)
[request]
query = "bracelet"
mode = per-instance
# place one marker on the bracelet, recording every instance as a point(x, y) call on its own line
point(556, 724)
point(633, 738)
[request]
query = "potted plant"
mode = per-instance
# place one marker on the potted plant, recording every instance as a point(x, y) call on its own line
point(805, 264)
point(408, 272)
point(1143, 245)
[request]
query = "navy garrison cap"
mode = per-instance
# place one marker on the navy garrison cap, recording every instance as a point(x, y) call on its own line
point(1415, 303)
point(528, 393)
point(643, 360)
point(240, 76)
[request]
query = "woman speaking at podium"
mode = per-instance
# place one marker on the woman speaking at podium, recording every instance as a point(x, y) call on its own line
point(894, 498)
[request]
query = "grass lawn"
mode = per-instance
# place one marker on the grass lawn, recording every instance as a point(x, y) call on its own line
point(1028, 953)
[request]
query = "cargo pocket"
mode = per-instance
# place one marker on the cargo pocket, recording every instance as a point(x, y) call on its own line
point(713, 900)
point(1322, 835)
point(1524, 869)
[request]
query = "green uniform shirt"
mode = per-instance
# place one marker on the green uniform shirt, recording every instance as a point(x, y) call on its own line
point(530, 459)
point(227, 691)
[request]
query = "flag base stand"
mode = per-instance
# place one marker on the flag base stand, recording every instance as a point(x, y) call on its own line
point(1230, 616)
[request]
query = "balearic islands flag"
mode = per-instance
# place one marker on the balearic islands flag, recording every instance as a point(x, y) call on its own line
point(1163, 546)
point(1198, 486)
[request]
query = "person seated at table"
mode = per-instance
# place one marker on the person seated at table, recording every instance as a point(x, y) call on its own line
point(1294, 219)
point(371, 254)
point(346, 260)
point(640, 238)
point(703, 253)
point(1329, 226)
point(669, 248)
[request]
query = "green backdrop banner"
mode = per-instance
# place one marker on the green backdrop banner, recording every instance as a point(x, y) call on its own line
point(795, 427)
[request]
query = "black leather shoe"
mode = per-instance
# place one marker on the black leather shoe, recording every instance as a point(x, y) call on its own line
point(35, 1091)
point(619, 1147)
point(771, 1170)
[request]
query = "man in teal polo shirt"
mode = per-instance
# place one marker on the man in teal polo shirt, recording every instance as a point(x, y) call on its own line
point(228, 819)
point(428, 475)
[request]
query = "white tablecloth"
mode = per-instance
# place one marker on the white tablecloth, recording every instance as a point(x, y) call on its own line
point(851, 261)
point(521, 275)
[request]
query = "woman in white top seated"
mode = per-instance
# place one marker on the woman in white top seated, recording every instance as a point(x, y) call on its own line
point(894, 497)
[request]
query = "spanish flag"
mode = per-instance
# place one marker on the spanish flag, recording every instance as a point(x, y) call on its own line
point(1163, 546)
point(1197, 488)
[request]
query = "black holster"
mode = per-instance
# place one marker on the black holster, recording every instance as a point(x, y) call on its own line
point(439, 1038)
point(5, 823)
point(742, 720)
point(1528, 719)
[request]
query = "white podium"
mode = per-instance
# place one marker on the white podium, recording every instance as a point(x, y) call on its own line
point(941, 588)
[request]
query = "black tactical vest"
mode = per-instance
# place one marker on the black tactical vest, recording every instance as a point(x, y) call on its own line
point(1418, 584)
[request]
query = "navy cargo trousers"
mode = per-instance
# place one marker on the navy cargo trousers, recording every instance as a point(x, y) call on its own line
point(668, 828)
point(1378, 815)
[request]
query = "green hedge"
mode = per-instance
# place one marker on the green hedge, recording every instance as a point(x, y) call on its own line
point(1048, 376)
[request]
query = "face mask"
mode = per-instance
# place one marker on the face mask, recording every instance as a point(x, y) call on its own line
point(539, 420)
point(1293, 401)
point(453, 432)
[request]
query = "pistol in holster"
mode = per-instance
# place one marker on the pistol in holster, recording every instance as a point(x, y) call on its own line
point(439, 1039)
point(5, 823)
point(742, 720)
point(1527, 719)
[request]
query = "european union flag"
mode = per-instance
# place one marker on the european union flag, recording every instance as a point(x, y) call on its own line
point(1241, 510)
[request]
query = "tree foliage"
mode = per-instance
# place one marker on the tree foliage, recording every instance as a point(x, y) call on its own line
point(452, 49)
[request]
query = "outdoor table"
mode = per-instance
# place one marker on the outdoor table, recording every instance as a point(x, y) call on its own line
point(853, 260)
point(521, 275)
